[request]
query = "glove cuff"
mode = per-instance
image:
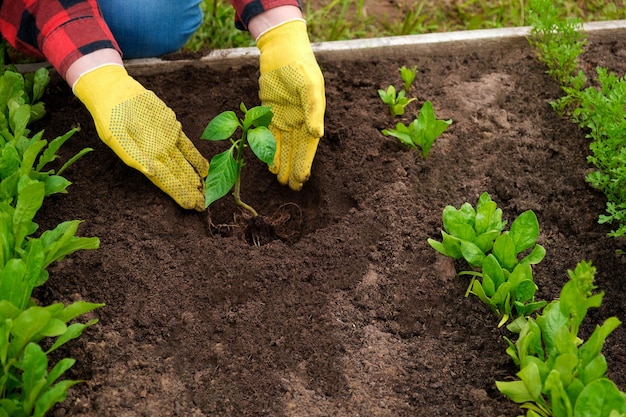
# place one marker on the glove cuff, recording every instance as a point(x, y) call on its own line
point(278, 25)
point(86, 74)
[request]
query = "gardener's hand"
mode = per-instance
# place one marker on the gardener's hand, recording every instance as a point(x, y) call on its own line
point(292, 84)
point(144, 133)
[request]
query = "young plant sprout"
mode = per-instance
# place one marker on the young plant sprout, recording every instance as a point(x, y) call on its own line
point(396, 101)
point(408, 76)
point(225, 167)
point(422, 131)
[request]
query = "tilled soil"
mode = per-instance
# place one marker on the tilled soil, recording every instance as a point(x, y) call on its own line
point(346, 310)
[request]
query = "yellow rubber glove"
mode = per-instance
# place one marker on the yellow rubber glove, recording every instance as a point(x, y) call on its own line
point(144, 133)
point(292, 84)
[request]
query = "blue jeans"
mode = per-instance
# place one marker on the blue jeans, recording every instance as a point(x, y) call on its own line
point(149, 28)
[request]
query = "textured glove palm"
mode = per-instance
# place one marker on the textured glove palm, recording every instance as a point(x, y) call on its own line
point(144, 133)
point(291, 82)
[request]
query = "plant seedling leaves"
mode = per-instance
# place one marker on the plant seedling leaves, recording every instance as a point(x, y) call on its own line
point(401, 133)
point(221, 126)
point(262, 143)
point(430, 126)
point(221, 178)
point(524, 231)
point(600, 398)
point(460, 223)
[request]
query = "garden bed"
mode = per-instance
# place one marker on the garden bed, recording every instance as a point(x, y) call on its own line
point(348, 311)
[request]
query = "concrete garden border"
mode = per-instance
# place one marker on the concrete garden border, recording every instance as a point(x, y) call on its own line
point(393, 46)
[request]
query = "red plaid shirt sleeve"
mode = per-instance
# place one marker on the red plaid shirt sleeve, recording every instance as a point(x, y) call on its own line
point(60, 31)
point(247, 9)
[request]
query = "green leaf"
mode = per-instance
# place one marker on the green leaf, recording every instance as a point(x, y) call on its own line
point(13, 287)
point(222, 175)
point(517, 391)
point(221, 127)
point(591, 349)
point(492, 268)
point(472, 253)
point(29, 201)
point(596, 368)
point(72, 332)
point(34, 364)
point(401, 132)
point(525, 290)
point(26, 326)
point(61, 241)
point(76, 309)
point(19, 117)
point(559, 400)
point(524, 231)
point(40, 82)
point(257, 116)
point(504, 251)
point(430, 127)
point(56, 394)
point(600, 398)
point(262, 143)
point(50, 153)
point(535, 256)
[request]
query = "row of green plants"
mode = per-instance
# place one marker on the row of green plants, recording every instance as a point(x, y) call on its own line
point(29, 384)
point(560, 374)
point(596, 105)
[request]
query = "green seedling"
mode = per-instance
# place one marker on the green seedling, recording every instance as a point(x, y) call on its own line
point(560, 374)
point(225, 168)
point(422, 132)
point(499, 278)
point(408, 76)
point(396, 101)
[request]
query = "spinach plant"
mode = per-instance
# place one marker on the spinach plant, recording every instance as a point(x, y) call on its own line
point(560, 374)
point(395, 100)
point(225, 168)
point(408, 76)
point(422, 132)
point(500, 278)
point(27, 386)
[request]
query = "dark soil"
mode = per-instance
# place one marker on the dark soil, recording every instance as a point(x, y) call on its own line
point(346, 310)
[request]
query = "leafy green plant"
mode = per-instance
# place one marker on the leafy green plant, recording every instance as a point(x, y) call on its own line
point(408, 76)
point(225, 168)
point(597, 109)
point(395, 100)
point(422, 132)
point(499, 278)
point(560, 374)
point(27, 386)
point(558, 40)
